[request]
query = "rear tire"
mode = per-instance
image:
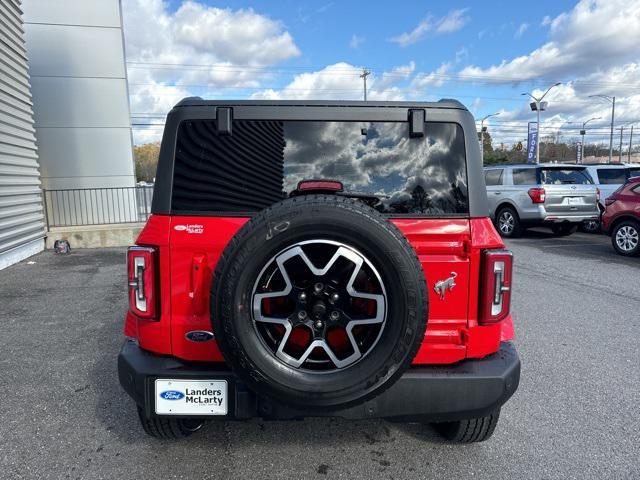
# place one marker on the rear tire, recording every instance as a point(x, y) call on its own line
point(590, 226)
point(508, 223)
point(169, 428)
point(470, 430)
point(625, 238)
point(564, 230)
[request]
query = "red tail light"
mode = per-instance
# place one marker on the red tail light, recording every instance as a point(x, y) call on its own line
point(537, 195)
point(143, 284)
point(331, 185)
point(495, 287)
point(597, 194)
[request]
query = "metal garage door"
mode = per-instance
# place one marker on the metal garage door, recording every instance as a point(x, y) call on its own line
point(22, 224)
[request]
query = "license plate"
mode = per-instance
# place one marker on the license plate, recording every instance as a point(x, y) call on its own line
point(575, 200)
point(191, 397)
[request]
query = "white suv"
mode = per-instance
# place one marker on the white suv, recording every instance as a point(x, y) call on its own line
point(608, 178)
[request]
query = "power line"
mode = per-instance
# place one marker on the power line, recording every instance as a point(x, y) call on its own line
point(354, 72)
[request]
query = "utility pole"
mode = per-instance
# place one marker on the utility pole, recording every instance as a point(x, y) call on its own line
point(582, 132)
point(365, 73)
point(482, 130)
point(539, 106)
point(630, 145)
point(620, 151)
point(613, 113)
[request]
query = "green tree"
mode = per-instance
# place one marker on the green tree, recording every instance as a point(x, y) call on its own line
point(146, 160)
point(487, 146)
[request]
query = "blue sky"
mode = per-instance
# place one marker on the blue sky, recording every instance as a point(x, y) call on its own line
point(482, 53)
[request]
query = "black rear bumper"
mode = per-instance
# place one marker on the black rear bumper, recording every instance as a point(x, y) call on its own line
point(469, 389)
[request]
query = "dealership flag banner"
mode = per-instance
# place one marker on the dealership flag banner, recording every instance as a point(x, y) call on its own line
point(532, 139)
point(579, 152)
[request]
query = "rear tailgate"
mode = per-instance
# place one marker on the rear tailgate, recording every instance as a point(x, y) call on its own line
point(569, 191)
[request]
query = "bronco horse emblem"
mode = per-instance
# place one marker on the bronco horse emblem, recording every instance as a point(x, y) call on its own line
point(442, 286)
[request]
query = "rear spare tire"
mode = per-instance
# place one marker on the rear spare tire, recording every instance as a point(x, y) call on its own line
point(319, 302)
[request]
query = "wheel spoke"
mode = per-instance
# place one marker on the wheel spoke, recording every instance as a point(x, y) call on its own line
point(320, 303)
point(627, 238)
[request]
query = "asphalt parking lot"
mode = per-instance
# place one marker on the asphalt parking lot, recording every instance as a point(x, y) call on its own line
point(576, 306)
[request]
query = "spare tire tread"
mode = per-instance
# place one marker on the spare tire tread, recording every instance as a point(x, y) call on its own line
point(234, 251)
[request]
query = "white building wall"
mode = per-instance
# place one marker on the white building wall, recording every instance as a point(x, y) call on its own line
point(22, 225)
point(79, 87)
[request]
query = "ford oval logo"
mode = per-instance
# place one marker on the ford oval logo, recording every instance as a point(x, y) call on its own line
point(199, 336)
point(172, 395)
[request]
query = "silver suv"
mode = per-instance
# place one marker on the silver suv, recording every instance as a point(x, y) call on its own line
point(554, 195)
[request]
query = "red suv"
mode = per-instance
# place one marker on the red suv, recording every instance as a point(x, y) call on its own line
point(621, 219)
point(319, 259)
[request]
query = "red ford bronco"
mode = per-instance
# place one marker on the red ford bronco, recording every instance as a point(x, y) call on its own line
point(319, 259)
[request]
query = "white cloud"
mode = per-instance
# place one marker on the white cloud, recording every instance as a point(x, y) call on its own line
point(451, 22)
point(591, 49)
point(356, 41)
point(521, 29)
point(408, 38)
point(149, 106)
point(240, 37)
point(433, 79)
point(546, 21)
point(595, 35)
point(203, 35)
point(341, 81)
point(395, 75)
point(570, 105)
point(196, 45)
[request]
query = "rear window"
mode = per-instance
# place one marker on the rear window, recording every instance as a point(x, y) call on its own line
point(612, 176)
point(563, 176)
point(493, 177)
point(261, 162)
point(525, 176)
point(634, 172)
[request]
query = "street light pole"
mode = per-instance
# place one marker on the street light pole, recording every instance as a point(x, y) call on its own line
point(613, 113)
point(538, 106)
point(482, 129)
point(620, 149)
point(630, 145)
point(582, 132)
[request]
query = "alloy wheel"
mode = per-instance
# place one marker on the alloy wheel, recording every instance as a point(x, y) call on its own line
point(627, 238)
point(506, 222)
point(319, 305)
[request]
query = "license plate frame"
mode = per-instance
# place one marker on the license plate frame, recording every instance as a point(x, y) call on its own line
point(191, 397)
point(574, 201)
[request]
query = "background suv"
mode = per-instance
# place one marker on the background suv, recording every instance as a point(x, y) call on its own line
point(558, 196)
point(608, 178)
point(621, 219)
